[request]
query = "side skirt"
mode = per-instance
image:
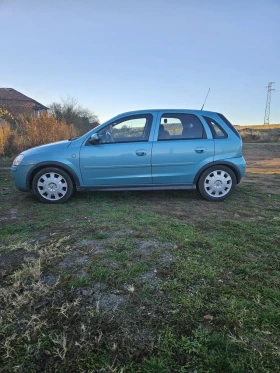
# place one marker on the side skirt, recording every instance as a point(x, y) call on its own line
point(109, 188)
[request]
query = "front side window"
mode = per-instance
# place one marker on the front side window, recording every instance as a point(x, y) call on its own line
point(180, 127)
point(129, 129)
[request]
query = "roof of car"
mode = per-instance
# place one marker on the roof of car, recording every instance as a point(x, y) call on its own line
point(169, 111)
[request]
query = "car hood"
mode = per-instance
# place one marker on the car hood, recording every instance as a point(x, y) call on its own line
point(47, 147)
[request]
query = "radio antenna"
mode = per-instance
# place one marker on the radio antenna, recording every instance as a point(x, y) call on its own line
point(205, 99)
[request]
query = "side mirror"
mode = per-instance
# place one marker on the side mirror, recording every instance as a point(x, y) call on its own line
point(94, 139)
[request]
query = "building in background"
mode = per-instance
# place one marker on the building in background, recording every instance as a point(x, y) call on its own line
point(19, 104)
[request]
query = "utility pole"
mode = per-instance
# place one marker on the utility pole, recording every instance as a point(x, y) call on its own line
point(268, 99)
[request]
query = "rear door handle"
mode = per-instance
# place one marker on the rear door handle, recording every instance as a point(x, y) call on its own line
point(141, 152)
point(200, 150)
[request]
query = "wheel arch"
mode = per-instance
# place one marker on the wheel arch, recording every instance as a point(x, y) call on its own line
point(39, 166)
point(230, 165)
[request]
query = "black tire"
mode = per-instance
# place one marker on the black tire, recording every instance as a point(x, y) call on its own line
point(52, 185)
point(217, 183)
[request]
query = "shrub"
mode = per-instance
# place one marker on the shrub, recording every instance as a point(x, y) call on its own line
point(42, 130)
point(32, 132)
point(5, 136)
point(262, 135)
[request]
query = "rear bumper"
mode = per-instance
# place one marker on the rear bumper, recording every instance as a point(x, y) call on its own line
point(240, 164)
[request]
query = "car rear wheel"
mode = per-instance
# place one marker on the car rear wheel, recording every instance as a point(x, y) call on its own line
point(217, 183)
point(52, 185)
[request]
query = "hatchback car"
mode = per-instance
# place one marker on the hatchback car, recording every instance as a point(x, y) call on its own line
point(140, 150)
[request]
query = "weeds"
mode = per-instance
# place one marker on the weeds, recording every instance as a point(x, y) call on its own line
point(262, 134)
point(32, 132)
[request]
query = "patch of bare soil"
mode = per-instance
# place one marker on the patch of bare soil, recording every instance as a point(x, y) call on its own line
point(98, 295)
point(262, 158)
point(264, 183)
point(9, 216)
point(104, 300)
point(10, 260)
point(148, 247)
point(83, 253)
point(263, 167)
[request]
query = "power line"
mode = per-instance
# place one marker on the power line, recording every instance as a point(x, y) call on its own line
point(268, 99)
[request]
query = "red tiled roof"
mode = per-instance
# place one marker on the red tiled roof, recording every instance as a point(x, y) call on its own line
point(13, 95)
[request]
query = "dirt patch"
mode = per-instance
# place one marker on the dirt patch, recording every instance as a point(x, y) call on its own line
point(10, 216)
point(110, 264)
point(139, 335)
point(98, 288)
point(156, 252)
point(122, 233)
point(262, 158)
point(13, 259)
point(83, 253)
point(150, 279)
point(263, 183)
point(101, 299)
point(110, 302)
point(73, 259)
point(148, 247)
point(263, 167)
point(166, 258)
point(50, 279)
point(92, 246)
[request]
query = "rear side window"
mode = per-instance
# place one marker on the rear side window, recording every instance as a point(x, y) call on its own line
point(227, 122)
point(217, 131)
point(180, 126)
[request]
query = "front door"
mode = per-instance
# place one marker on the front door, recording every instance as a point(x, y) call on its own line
point(180, 149)
point(123, 155)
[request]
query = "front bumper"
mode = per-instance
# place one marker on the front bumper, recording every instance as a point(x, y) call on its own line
point(19, 175)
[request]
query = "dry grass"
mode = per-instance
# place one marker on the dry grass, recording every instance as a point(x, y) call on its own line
point(260, 133)
point(32, 132)
point(5, 133)
point(259, 127)
point(23, 288)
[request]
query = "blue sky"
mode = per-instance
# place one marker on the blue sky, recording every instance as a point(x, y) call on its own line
point(115, 56)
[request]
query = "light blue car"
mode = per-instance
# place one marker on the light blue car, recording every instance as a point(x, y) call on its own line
point(139, 150)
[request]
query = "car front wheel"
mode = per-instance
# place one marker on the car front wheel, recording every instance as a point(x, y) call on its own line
point(52, 185)
point(217, 183)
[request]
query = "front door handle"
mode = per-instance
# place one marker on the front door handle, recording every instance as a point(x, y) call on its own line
point(141, 152)
point(200, 150)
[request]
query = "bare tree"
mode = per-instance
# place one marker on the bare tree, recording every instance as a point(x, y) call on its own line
point(69, 109)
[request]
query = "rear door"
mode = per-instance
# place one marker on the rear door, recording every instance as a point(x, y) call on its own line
point(182, 145)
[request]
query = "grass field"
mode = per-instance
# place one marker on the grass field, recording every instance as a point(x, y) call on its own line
point(260, 133)
point(150, 282)
point(260, 127)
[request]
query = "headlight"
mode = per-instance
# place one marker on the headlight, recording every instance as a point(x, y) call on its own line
point(18, 159)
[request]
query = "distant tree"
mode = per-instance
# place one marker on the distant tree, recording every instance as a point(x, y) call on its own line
point(69, 110)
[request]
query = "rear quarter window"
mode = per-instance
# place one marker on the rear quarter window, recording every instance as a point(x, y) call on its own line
point(217, 130)
point(227, 122)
